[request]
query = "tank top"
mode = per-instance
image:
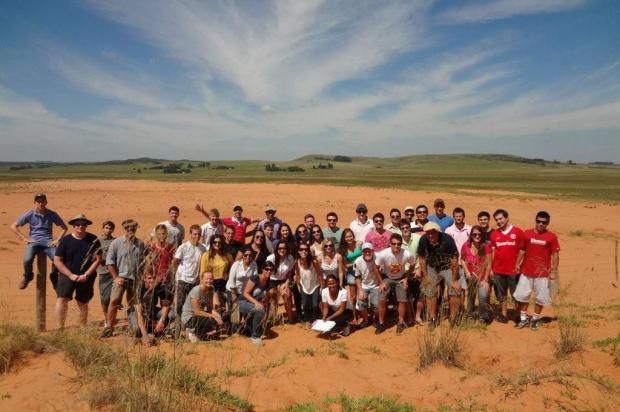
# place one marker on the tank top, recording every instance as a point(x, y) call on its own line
point(308, 279)
point(329, 269)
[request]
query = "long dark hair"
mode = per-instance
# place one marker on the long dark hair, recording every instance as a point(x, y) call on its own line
point(343, 249)
point(298, 239)
point(312, 235)
point(481, 244)
point(309, 258)
point(277, 255)
point(211, 250)
point(263, 247)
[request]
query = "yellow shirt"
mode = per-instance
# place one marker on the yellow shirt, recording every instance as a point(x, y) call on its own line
point(218, 265)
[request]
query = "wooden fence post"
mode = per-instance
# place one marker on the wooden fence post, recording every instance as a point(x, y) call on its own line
point(41, 292)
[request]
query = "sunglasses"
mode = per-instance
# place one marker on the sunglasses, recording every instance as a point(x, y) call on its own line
point(405, 228)
point(329, 246)
point(332, 220)
point(395, 216)
point(421, 212)
point(281, 248)
point(260, 237)
point(316, 232)
point(542, 222)
point(217, 242)
point(305, 249)
point(247, 255)
point(378, 220)
point(396, 243)
point(476, 235)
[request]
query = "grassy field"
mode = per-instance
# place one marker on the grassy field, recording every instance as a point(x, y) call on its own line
point(425, 172)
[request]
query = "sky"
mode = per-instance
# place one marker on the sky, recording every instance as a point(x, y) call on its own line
point(98, 80)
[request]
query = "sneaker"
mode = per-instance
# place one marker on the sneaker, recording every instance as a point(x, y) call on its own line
point(501, 318)
point(107, 332)
point(363, 324)
point(346, 331)
point(25, 281)
point(191, 336)
point(256, 341)
point(522, 323)
point(380, 328)
point(535, 325)
point(400, 328)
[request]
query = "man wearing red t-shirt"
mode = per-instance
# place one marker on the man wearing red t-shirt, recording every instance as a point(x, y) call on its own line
point(506, 242)
point(239, 223)
point(538, 259)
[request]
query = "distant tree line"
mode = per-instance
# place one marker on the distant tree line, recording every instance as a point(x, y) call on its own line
point(271, 167)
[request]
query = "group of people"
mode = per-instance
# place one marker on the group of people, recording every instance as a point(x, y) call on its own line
point(232, 273)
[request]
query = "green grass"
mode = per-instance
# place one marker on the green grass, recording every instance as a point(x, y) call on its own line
point(427, 172)
point(345, 403)
point(113, 378)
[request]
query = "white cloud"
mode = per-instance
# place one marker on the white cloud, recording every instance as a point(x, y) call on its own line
point(486, 10)
point(88, 76)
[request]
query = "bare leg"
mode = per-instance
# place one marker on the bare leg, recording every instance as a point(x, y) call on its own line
point(432, 305)
point(382, 309)
point(61, 312)
point(418, 310)
point(352, 291)
point(104, 307)
point(402, 311)
point(83, 308)
point(455, 305)
point(112, 309)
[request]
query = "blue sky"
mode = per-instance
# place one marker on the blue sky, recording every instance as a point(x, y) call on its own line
point(208, 80)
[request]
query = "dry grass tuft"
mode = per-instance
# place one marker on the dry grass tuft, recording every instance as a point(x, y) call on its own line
point(441, 345)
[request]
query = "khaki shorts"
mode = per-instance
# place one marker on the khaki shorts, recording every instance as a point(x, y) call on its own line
point(397, 286)
point(118, 291)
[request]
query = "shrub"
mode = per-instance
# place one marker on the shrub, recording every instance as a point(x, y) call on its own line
point(440, 345)
point(572, 338)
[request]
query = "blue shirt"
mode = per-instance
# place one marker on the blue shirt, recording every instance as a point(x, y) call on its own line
point(40, 224)
point(444, 222)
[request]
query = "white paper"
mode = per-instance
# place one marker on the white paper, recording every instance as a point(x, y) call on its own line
point(323, 326)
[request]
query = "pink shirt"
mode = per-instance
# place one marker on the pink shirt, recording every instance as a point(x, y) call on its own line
point(379, 241)
point(460, 236)
point(475, 263)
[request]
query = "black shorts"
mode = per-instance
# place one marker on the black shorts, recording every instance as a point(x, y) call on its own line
point(414, 289)
point(165, 292)
point(84, 291)
point(504, 284)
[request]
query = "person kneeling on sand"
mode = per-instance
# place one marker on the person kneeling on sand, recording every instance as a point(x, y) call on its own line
point(77, 258)
point(151, 312)
point(334, 305)
point(200, 310)
point(254, 303)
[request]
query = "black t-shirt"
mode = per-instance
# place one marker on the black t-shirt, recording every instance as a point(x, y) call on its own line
point(233, 248)
point(78, 254)
point(486, 236)
point(259, 290)
point(438, 256)
point(260, 258)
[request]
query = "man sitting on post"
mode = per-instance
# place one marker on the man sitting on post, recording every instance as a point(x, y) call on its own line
point(40, 219)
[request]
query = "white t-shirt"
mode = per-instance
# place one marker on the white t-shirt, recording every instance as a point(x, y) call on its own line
point(334, 304)
point(189, 255)
point(360, 230)
point(207, 232)
point(239, 275)
point(176, 234)
point(393, 266)
point(284, 270)
point(366, 271)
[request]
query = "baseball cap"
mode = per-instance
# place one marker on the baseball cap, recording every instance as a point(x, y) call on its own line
point(431, 226)
point(439, 202)
point(237, 206)
point(270, 208)
point(361, 207)
point(40, 196)
point(368, 245)
point(409, 208)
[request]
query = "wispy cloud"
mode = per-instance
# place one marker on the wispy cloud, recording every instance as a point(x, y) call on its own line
point(485, 10)
point(134, 88)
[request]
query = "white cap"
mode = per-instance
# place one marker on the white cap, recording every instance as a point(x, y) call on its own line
point(368, 245)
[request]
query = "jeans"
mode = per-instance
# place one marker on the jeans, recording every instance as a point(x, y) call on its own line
point(475, 287)
point(29, 255)
point(310, 303)
point(201, 326)
point(257, 316)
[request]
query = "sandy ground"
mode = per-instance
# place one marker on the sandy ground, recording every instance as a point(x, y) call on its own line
point(297, 366)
